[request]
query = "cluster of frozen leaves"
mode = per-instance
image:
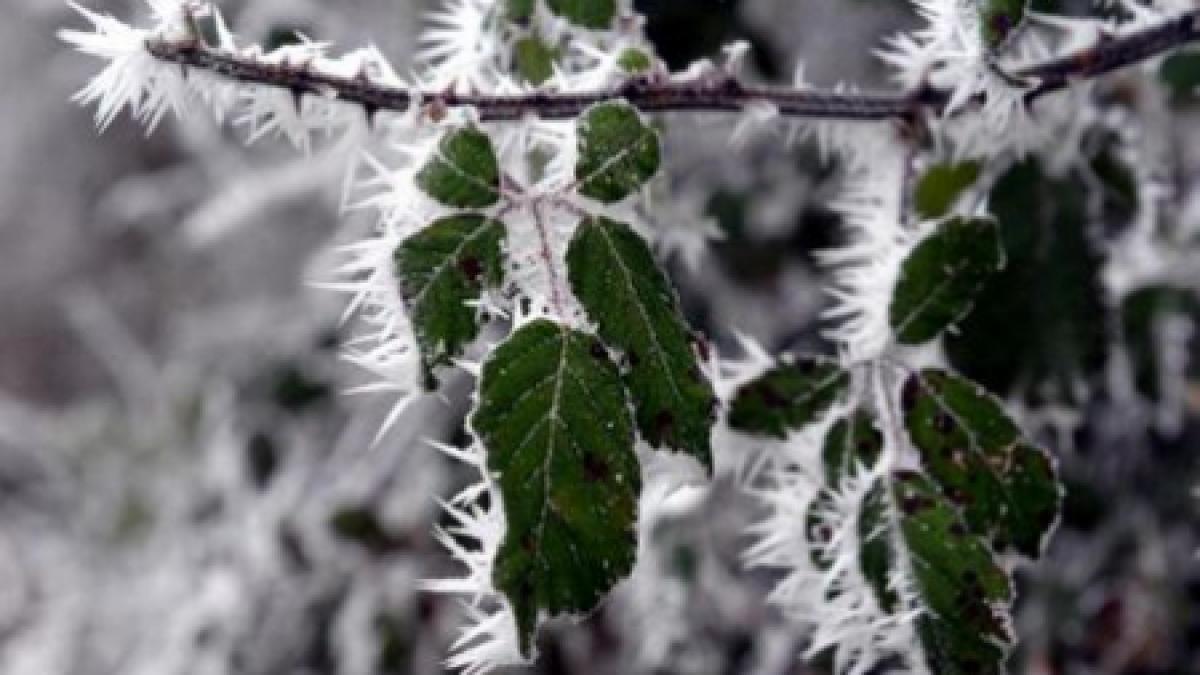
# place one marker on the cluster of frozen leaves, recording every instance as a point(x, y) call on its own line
point(519, 252)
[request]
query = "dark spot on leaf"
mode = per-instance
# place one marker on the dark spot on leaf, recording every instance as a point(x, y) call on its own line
point(958, 530)
point(471, 267)
point(595, 469)
point(597, 350)
point(913, 503)
point(944, 423)
point(770, 396)
point(664, 422)
point(959, 496)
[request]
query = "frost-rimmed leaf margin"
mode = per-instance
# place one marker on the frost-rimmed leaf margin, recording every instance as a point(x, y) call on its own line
point(1006, 487)
point(615, 277)
point(571, 535)
point(966, 596)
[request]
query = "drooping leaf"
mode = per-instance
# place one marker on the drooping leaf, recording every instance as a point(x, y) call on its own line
point(941, 186)
point(555, 421)
point(966, 596)
point(595, 14)
point(463, 172)
point(788, 397)
point(534, 59)
point(1045, 307)
point(440, 269)
point(941, 277)
point(852, 440)
point(1006, 487)
point(999, 18)
point(615, 277)
point(618, 153)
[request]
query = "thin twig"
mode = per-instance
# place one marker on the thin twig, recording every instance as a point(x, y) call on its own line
point(703, 95)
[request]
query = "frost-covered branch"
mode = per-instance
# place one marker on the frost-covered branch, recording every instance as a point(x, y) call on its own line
point(720, 93)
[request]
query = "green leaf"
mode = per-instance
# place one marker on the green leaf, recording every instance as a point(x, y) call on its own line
point(1118, 188)
point(519, 11)
point(1180, 72)
point(595, 14)
point(1142, 315)
point(554, 419)
point(788, 397)
point(463, 172)
point(617, 152)
point(966, 595)
point(615, 277)
point(534, 59)
point(941, 277)
point(852, 440)
point(941, 186)
point(1007, 488)
point(875, 555)
point(999, 18)
point(634, 61)
point(441, 268)
point(1046, 306)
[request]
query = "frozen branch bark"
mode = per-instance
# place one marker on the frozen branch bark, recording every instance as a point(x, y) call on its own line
point(707, 94)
